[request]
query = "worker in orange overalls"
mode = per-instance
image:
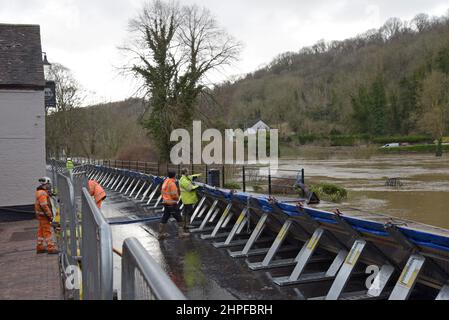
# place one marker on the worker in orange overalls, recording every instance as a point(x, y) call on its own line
point(44, 215)
point(170, 198)
point(96, 191)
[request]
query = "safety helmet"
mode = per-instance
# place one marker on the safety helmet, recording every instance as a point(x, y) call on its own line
point(44, 181)
point(69, 159)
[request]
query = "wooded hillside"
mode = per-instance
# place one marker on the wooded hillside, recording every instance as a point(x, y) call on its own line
point(394, 80)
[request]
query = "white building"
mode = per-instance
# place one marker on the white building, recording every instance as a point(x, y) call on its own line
point(22, 115)
point(259, 125)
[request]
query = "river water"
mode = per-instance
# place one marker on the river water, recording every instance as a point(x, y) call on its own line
point(423, 197)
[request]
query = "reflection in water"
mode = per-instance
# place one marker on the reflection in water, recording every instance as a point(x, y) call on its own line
point(192, 270)
point(424, 196)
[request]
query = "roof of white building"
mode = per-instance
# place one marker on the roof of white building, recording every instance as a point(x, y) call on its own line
point(21, 56)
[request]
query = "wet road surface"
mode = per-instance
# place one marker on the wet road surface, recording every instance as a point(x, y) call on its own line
point(200, 270)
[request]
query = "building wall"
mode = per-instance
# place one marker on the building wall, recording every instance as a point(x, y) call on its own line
point(22, 145)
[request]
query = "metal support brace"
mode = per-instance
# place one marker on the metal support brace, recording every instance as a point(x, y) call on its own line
point(140, 190)
point(273, 249)
point(146, 192)
point(380, 281)
point(105, 178)
point(96, 175)
point(346, 270)
point(99, 175)
point(117, 182)
point(124, 185)
point(214, 216)
point(152, 195)
point(200, 214)
point(239, 224)
point(197, 209)
point(227, 221)
point(131, 184)
point(158, 201)
point(302, 259)
point(206, 219)
point(204, 208)
point(109, 179)
point(135, 187)
point(112, 180)
point(404, 286)
point(444, 293)
point(253, 238)
point(120, 189)
point(220, 223)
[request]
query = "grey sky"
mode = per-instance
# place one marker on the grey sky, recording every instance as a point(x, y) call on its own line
point(84, 34)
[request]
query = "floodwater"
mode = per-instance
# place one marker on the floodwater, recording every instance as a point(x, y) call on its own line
point(423, 196)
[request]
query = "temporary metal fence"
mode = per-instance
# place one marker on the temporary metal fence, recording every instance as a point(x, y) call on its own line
point(68, 218)
point(85, 240)
point(96, 251)
point(142, 277)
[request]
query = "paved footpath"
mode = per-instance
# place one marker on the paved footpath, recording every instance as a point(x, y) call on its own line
point(23, 273)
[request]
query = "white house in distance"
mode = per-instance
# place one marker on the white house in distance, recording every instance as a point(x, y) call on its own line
point(259, 125)
point(22, 116)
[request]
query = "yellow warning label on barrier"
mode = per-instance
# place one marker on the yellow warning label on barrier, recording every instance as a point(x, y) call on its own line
point(409, 274)
point(282, 233)
point(312, 242)
point(354, 254)
point(241, 217)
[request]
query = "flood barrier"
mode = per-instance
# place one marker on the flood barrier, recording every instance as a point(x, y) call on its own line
point(408, 262)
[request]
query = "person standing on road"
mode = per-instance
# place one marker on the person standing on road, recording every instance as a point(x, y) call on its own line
point(44, 214)
point(170, 198)
point(188, 196)
point(69, 166)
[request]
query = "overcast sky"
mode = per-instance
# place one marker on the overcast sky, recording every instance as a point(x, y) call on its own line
point(84, 34)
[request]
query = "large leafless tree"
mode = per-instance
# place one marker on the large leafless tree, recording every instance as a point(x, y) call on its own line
point(176, 48)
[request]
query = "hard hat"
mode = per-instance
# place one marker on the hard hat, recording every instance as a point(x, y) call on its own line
point(44, 180)
point(69, 159)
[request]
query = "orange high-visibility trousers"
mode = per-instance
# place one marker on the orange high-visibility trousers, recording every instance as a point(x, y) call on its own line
point(99, 203)
point(44, 234)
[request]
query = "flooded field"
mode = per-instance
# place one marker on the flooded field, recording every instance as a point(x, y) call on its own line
point(423, 196)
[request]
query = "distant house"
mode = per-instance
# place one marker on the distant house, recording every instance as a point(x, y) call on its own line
point(22, 114)
point(259, 125)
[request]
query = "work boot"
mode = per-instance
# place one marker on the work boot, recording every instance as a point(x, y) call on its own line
point(53, 251)
point(40, 250)
point(182, 233)
point(162, 234)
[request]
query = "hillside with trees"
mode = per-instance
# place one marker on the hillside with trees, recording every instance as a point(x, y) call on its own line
point(389, 81)
point(385, 82)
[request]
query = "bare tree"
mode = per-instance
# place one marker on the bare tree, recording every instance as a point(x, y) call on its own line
point(421, 22)
point(176, 47)
point(61, 119)
point(391, 28)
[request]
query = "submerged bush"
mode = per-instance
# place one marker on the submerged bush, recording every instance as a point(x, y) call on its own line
point(330, 192)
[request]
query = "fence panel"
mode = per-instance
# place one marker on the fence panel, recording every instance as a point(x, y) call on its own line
point(68, 218)
point(96, 252)
point(143, 278)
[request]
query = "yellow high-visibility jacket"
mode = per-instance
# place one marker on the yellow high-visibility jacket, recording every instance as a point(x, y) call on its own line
point(188, 190)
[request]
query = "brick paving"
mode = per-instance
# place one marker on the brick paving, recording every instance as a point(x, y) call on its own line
point(25, 275)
